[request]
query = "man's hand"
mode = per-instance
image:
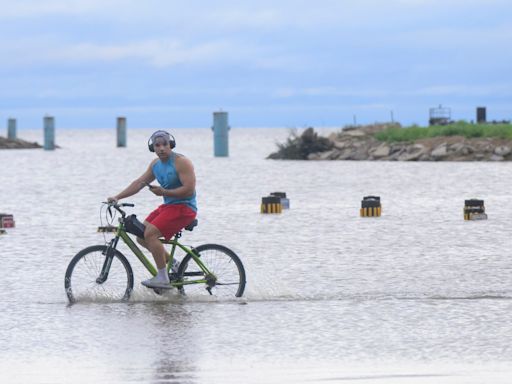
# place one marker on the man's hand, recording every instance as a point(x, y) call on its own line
point(111, 200)
point(159, 191)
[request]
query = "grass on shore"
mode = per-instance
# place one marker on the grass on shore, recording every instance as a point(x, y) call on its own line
point(394, 134)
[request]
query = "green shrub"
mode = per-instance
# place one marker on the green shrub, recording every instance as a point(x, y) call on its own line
point(460, 128)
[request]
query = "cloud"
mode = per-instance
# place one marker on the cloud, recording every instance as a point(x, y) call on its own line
point(465, 90)
point(329, 91)
point(162, 52)
point(295, 33)
point(41, 8)
point(385, 92)
point(371, 52)
point(456, 37)
point(154, 52)
point(159, 53)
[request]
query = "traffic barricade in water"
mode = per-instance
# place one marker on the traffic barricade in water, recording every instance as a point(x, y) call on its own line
point(370, 206)
point(285, 202)
point(271, 204)
point(6, 220)
point(474, 209)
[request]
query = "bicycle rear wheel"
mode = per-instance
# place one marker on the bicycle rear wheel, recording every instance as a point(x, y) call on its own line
point(83, 280)
point(228, 273)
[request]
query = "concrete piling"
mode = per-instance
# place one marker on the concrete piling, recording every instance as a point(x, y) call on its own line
point(49, 133)
point(121, 131)
point(220, 134)
point(11, 129)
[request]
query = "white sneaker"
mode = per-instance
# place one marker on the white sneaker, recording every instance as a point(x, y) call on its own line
point(155, 282)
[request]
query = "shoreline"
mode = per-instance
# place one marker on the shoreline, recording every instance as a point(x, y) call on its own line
point(17, 144)
point(359, 143)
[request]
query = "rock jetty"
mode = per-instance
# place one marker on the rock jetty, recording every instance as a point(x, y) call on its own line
point(359, 143)
point(17, 144)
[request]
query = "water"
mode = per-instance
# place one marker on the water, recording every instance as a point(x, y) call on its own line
point(417, 295)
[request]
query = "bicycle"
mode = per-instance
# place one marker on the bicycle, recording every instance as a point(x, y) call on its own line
point(102, 270)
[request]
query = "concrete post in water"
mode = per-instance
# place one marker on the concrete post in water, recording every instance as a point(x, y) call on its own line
point(370, 206)
point(49, 133)
point(11, 129)
point(121, 131)
point(220, 134)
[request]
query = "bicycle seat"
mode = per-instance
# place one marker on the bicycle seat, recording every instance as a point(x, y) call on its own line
point(191, 226)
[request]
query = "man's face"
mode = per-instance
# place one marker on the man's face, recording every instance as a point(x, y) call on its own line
point(162, 147)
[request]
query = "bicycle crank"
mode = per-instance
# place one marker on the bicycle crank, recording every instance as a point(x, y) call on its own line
point(211, 280)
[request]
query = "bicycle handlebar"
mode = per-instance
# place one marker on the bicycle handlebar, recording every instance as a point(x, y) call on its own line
point(118, 207)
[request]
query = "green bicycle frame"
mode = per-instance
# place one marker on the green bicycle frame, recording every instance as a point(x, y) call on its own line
point(121, 233)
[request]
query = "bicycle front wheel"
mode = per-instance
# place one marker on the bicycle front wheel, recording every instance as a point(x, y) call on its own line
point(227, 274)
point(91, 276)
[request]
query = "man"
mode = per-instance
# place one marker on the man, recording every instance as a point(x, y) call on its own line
point(175, 174)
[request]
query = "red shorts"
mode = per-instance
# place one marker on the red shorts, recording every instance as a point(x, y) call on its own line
point(171, 218)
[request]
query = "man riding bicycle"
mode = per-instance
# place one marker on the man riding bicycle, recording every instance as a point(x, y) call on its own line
point(175, 174)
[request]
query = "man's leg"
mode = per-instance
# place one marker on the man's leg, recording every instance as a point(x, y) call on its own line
point(143, 243)
point(152, 242)
point(141, 240)
point(151, 239)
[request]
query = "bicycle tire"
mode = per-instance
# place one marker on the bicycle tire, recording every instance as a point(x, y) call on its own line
point(223, 263)
point(89, 261)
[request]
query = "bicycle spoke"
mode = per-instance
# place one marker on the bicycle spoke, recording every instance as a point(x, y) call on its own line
point(228, 276)
point(87, 266)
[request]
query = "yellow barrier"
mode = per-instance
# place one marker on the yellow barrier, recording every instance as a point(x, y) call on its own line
point(370, 207)
point(271, 204)
point(371, 211)
point(474, 209)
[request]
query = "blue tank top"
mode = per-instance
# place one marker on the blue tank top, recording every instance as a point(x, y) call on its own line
point(168, 178)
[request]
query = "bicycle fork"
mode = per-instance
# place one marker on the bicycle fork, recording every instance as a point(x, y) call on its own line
point(109, 256)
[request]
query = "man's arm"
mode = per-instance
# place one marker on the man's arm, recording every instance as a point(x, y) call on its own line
point(187, 176)
point(136, 185)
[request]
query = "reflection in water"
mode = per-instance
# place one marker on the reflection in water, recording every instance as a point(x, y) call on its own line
point(173, 371)
point(174, 342)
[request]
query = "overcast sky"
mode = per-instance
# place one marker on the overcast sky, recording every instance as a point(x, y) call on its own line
point(268, 63)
